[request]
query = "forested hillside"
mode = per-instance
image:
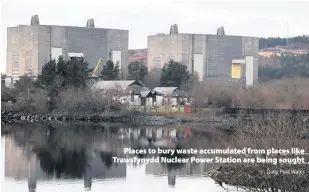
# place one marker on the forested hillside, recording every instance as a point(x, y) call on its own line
point(288, 65)
point(279, 41)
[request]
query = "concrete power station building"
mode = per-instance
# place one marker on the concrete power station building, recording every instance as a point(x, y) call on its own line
point(211, 56)
point(29, 47)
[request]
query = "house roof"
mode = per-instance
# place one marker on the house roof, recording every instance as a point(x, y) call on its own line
point(143, 91)
point(129, 85)
point(112, 84)
point(165, 90)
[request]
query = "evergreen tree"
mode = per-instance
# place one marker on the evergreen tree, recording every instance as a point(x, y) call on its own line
point(49, 72)
point(137, 71)
point(278, 41)
point(110, 71)
point(174, 74)
point(290, 65)
point(60, 75)
point(71, 73)
point(76, 73)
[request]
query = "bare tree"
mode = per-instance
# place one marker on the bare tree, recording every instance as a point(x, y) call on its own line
point(76, 100)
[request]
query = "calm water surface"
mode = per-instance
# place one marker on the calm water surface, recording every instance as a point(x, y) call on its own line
point(62, 157)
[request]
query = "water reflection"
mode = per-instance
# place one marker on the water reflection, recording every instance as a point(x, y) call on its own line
point(40, 152)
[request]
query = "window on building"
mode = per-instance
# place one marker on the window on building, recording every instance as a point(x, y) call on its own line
point(236, 70)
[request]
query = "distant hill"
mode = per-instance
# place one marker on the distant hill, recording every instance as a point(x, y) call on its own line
point(276, 46)
point(278, 41)
point(272, 47)
point(294, 48)
point(268, 46)
point(138, 55)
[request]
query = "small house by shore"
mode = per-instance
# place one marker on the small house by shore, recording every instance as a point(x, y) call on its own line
point(133, 92)
point(171, 96)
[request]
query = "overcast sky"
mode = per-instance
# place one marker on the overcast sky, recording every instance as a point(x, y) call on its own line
point(147, 17)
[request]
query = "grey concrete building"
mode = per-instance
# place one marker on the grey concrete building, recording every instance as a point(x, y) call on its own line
point(29, 47)
point(210, 56)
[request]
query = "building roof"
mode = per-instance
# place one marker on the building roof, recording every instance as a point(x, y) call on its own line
point(135, 86)
point(180, 34)
point(165, 90)
point(113, 84)
point(143, 90)
point(81, 27)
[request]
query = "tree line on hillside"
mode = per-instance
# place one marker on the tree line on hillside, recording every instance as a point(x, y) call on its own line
point(290, 65)
point(279, 41)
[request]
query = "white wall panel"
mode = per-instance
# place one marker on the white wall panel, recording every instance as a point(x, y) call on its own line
point(199, 65)
point(249, 70)
point(116, 57)
point(56, 52)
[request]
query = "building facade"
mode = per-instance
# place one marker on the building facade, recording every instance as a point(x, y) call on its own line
point(209, 55)
point(29, 47)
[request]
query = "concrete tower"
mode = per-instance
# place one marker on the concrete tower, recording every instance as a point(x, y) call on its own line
point(30, 46)
point(220, 31)
point(35, 20)
point(87, 182)
point(171, 177)
point(174, 29)
point(88, 178)
point(32, 173)
point(90, 23)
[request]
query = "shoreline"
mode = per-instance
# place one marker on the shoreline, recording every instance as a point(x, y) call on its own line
point(116, 117)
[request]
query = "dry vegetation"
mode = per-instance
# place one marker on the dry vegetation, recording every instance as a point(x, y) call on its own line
point(35, 101)
point(280, 132)
point(277, 94)
point(69, 101)
point(85, 101)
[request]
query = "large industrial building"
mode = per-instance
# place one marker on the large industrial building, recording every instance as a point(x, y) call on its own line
point(29, 47)
point(211, 56)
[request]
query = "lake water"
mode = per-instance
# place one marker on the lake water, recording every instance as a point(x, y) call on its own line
point(78, 157)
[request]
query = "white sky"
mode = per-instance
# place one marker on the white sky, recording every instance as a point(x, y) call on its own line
point(148, 17)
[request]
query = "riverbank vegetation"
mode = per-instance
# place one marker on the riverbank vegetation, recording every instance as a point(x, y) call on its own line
point(278, 94)
point(283, 132)
point(65, 87)
point(287, 93)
